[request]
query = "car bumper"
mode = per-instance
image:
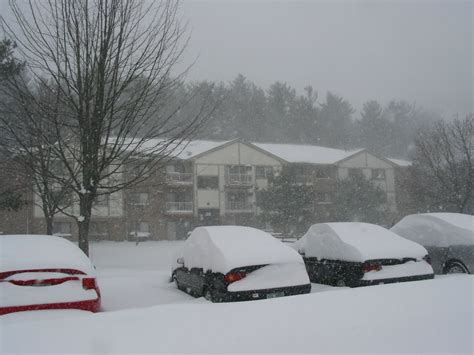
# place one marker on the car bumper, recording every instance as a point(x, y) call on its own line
point(88, 305)
point(394, 280)
point(263, 294)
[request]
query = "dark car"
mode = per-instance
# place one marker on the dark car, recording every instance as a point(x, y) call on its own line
point(233, 263)
point(448, 237)
point(361, 254)
point(39, 272)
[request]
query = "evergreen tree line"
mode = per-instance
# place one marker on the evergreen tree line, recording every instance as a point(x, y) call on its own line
point(280, 114)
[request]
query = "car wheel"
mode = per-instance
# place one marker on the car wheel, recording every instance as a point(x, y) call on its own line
point(208, 295)
point(455, 267)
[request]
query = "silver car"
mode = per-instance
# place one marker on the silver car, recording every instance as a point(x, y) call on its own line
point(448, 237)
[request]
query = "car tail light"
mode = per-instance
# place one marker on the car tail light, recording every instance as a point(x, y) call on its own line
point(427, 258)
point(370, 266)
point(234, 276)
point(88, 284)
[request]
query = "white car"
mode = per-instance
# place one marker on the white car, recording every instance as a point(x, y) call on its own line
point(233, 263)
point(448, 237)
point(361, 254)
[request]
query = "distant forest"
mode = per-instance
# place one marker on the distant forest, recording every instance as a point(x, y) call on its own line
point(278, 114)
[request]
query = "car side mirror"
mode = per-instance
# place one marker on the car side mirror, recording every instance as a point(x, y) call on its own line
point(180, 261)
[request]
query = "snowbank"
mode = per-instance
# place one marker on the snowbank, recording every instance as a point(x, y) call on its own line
point(437, 229)
point(27, 252)
point(356, 242)
point(223, 248)
point(434, 316)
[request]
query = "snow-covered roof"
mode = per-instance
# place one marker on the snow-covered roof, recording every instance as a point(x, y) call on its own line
point(353, 241)
point(30, 252)
point(311, 154)
point(400, 162)
point(223, 248)
point(437, 229)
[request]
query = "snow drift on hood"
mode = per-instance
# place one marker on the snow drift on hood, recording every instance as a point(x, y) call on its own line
point(27, 252)
point(356, 242)
point(223, 248)
point(437, 229)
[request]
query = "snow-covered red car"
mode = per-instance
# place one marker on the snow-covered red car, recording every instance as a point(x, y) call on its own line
point(448, 237)
point(361, 254)
point(233, 263)
point(40, 272)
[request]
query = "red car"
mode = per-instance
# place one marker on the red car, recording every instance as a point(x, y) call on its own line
point(44, 272)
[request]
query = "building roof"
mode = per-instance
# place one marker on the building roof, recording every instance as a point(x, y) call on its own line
point(400, 162)
point(310, 154)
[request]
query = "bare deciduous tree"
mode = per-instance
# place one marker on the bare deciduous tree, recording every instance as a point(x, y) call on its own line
point(443, 170)
point(108, 65)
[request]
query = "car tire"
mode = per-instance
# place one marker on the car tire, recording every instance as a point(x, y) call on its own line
point(208, 295)
point(455, 267)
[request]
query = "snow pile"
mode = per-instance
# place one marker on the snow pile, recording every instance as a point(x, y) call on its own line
point(437, 229)
point(410, 268)
point(27, 252)
point(223, 248)
point(357, 242)
point(70, 291)
point(434, 316)
point(272, 276)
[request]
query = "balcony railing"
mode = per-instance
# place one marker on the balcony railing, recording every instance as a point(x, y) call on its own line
point(239, 206)
point(179, 178)
point(238, 179)
point(179, 207)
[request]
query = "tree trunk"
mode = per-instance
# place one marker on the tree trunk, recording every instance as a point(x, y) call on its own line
point(49, 224)
point(83, 221)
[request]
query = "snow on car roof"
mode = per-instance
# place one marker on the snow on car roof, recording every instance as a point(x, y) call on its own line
point(353, 241)
point(312, 154)
point(27, 252)
point(437, 229)
point(223, 248)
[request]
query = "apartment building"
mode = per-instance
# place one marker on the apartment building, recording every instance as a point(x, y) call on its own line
point(210, 182)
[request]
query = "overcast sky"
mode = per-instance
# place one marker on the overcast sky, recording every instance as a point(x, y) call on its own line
point(420, 51)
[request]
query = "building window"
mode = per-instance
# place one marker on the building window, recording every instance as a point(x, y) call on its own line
point(101, 201)
point(323, 198)
point(62, 198)
point(264, 172)
point(324, 173)
point(140, 230)
point(207, 182)
point(139, 198)
point(355, 173)
point(239, 169)
point(98, 229)
point(62, 229)
point(378, 174)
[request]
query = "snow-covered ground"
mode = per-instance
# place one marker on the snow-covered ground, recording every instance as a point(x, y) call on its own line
point(145, 313)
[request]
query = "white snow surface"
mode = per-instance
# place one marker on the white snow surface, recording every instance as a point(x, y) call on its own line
point(223, 248)
point(151, 316)
point(70, 291)
point(410, 268)
point(354, 241)
point(272, 276)
point(31, 251)
point(312, 154)
point(26, 276)
point(437, 229)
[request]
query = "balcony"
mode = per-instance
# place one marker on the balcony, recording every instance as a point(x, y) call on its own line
point(244, 180)
point(174, 178)
point(239, 206)
point(179, 207)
